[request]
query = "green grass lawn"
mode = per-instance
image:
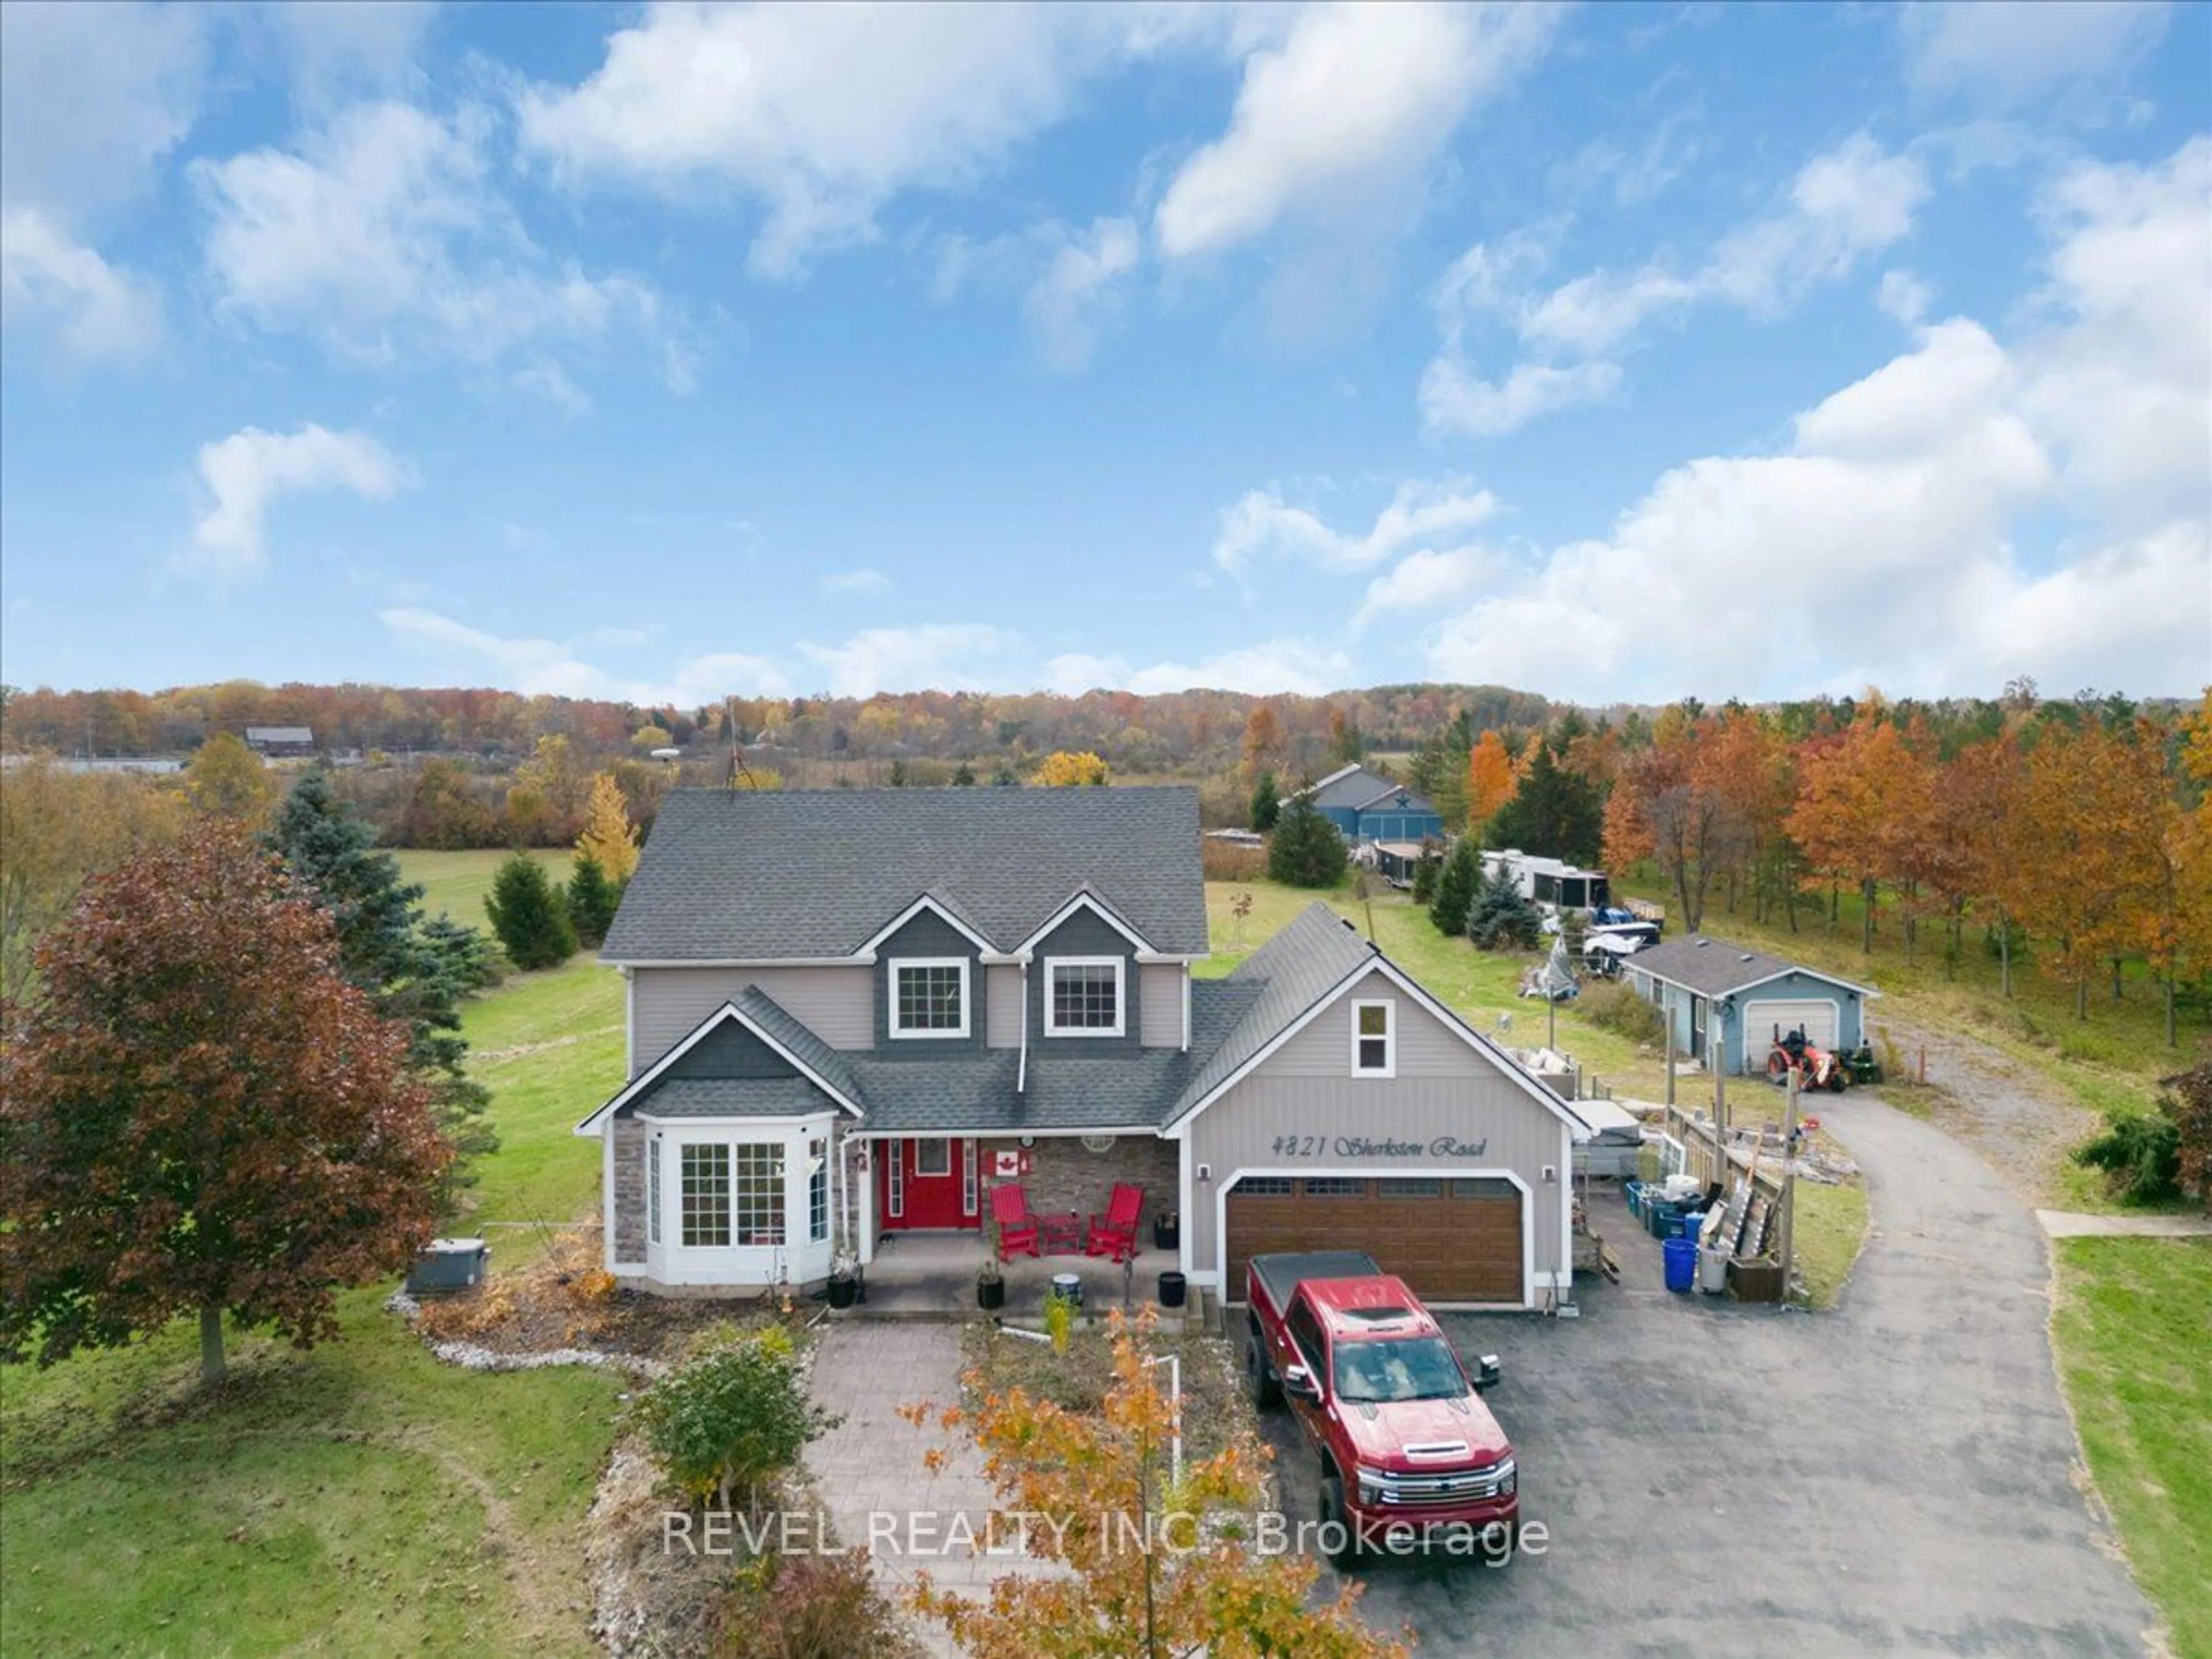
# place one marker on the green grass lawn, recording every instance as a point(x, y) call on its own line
point(456, 883)
point(2135, 1344)
point(1830, 1225)
point(361, 1498)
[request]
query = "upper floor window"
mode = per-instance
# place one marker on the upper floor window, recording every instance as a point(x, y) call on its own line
point(929, 997)
point(1373, 1039)
point(1083, 997)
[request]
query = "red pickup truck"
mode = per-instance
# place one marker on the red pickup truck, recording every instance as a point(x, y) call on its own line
point(1407, 1445)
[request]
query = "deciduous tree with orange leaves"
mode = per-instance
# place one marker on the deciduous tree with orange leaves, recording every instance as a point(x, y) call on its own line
point(1153, 1567)
point(1850, 789)
point(1489, 780)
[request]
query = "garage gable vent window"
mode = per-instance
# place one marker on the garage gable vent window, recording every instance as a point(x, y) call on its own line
point(1373, 1039)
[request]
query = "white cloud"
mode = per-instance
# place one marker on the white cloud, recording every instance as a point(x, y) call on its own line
point(1297, 666)
point(385, 234)
point(328, 49)
point(542, 667)
point(1453, 399)
point(1903, 296)
point(950, 656)
point(1262, 524)
point(2008, 52)
point(92, 98)
point(1072, 301)
point(863, 580)
point(1426, 579)
point(824, 113)
point(1844, 206)
point(247, 472)
point(92, 311)
point(1345, 115)
point(1881, 545)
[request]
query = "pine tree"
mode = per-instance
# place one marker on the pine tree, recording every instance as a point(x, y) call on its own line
point(1267, 808)
point(530, 915)
point(1305, 850)
point(964, 776)
point(414, 969)
point(591, 900)
point(1555, 812)
point(1501, 918)
point(1455, 890)
point(1424, 877)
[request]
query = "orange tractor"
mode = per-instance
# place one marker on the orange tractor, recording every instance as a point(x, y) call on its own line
point(1816, 1068)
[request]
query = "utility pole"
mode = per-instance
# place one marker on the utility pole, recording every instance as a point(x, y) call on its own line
point(1789, 1177)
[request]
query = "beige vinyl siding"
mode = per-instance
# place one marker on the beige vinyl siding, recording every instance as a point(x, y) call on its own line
point(1159, 1004)
point(835, 1001)
point(1002, 1005)
point(1443, 1088)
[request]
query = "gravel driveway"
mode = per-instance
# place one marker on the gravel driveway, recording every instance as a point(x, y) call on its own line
point(1898, 1476)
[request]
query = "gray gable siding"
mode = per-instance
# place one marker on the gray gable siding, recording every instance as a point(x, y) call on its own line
point(1160, 1001)
point(1084, 934)
point(836, 1002)
point(729, 1051)
point(928, 934)
point(1444, 1090)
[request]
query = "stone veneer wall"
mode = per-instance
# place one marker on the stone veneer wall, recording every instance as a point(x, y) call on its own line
point(1065, 1175)
point(630, 1148)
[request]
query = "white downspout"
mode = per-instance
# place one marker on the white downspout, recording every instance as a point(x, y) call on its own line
point(1021, 1066)
point(1186, 1007)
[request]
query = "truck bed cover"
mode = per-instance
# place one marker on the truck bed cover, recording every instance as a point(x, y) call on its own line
point(1282, 1274)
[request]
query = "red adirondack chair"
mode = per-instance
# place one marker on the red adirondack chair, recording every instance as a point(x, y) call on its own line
point(1114, 1233)
point(1018, 1227)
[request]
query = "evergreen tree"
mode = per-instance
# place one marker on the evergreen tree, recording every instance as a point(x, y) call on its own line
point(530, 915)
point(1501, 918)
point(964, 776)
point(1555, 812)
point(413, 968)
point(1424, 877)
point(591, 901)
point(1305, 850)
point(1267, 809)
point(1455, 890)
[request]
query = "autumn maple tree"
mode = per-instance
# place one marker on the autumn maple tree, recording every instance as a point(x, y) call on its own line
point(202, 1116)
point(1489, 780)
point(1063, 769)
point(1152, 1566)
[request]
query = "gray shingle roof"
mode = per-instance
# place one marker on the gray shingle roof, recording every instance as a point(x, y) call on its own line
point(1713, 967)
point(736, 1097)
point(827, 1063)
point(1286, 976)
point(740, 875)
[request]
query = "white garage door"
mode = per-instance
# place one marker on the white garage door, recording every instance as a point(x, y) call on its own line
point(1761, 1020)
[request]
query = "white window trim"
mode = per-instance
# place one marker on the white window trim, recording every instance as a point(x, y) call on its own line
point(1121, 1025)
point(655, 1190)
point(1389, 1067)
point(898, 965)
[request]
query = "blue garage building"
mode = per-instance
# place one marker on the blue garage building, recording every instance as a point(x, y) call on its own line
point(1735, 1001)
point(1368, 806)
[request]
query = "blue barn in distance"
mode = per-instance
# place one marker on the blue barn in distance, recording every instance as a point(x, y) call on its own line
point(1367, 807)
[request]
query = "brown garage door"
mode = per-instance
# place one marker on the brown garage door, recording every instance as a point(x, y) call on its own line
point(1452, 1240)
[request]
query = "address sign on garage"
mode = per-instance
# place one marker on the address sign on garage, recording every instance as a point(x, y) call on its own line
point(1361, 1147)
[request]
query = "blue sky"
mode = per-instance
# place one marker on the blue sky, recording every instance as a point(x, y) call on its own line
point(1624, 352)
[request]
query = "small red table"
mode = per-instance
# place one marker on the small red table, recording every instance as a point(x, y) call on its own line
point(1061, 1232)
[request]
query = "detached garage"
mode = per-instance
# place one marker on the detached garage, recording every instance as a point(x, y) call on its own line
point(1723, 1000)
point(1347, 1108)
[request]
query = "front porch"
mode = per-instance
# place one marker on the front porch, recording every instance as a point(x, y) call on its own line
point(931, 1275)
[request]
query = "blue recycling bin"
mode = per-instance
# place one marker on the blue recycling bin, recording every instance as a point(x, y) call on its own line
point(1682, 1263)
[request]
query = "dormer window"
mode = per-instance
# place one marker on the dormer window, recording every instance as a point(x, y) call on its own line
point(929, 997)
point(1373, 1039)
point(1083, 997)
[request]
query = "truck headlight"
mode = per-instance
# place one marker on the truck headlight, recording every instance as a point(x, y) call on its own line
point(1508, 1477)
point(1370, 1484)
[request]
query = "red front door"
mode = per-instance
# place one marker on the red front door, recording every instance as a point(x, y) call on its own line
point(928, 1182)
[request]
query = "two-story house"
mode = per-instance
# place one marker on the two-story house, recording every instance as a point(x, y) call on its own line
point(849, 1011)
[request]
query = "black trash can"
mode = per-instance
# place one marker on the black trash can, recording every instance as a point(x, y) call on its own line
point(1166, 1233)
point(1172, 1289)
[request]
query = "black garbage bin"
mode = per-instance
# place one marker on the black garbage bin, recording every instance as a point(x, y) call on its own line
point(1172, 1289)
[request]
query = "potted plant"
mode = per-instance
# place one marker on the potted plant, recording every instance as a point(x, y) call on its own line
point(844, 1288)
point(1167, 1231)
point(990, 1285)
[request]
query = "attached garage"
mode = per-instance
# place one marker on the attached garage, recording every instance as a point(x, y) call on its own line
point(1453, 1238)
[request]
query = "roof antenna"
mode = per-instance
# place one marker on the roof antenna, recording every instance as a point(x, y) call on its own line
point(737, 769)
